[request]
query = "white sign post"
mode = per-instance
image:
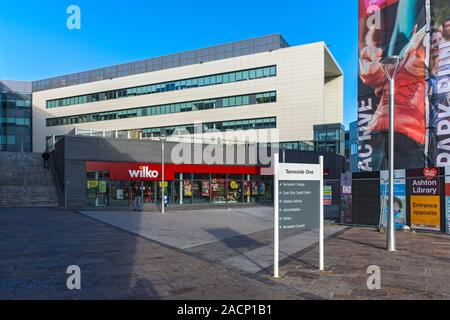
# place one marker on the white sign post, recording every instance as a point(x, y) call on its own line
point(298, 202)
point(321, 246)
point(276, 218)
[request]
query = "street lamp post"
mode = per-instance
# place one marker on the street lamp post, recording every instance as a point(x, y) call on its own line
point(390, 66)
point(163, 138)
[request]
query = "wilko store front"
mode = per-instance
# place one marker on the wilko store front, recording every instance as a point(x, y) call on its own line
point(104, 172)
point(117, 184)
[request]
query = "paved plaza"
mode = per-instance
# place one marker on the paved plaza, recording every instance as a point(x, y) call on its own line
point(207, 254)
point(240, 238)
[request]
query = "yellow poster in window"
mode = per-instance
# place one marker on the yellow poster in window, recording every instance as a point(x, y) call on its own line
point(166, 184)
point(426, 212)
point(92, 183)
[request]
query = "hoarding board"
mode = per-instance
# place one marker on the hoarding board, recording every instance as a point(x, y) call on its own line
point(447, 198)
point(346, 198)
point(399, 198)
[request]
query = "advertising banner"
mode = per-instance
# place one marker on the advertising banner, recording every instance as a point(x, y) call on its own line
point(399, 198)
point(425, 200)
point(447, 198)
point(346, 197)
point(439, 85)
point(387, 28)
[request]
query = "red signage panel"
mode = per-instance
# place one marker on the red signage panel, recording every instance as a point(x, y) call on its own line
point(125, 171)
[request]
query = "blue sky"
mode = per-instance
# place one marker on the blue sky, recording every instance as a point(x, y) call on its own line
point(36, 44)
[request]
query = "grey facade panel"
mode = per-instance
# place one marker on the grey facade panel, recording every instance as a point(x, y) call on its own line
point(122, 150)
point(75, 183)
point(230, 50)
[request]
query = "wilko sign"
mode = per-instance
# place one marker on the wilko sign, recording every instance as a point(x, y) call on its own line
point(134, 171)
point(143, 173)
point(130, 171)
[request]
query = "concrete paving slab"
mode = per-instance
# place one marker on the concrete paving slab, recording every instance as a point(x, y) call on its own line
point(203, 228)
point(256, 260)
point(186, 229)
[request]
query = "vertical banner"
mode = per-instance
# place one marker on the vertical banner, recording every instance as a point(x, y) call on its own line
point(439, 84)
point(346, 198)
point(386, 28)
point(425, 200)
point(447, 198)
point(399, 198)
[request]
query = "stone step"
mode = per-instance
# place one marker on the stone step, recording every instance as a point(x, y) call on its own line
point(24, 182)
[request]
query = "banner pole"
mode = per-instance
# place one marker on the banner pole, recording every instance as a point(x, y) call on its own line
point(321, 244)
point(276, 217)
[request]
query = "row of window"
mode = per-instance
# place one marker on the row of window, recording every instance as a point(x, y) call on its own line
point(15, 103)
point(222, 78)
point(297, 145)
point(262, 123)
point(7, 139)
point(227, 102)
point(15, 121)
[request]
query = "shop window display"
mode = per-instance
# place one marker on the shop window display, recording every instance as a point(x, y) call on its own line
point(234, 191)
point(97, 188)
point(119, 193)
point(186, 189)
point(218, 190)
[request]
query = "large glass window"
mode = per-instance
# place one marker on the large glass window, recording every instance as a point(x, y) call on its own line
point(264, 123)
point(167, 86)
point(226, 102)
point(186, 189)
point(15, 122)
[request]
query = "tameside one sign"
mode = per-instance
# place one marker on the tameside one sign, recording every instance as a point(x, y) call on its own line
point(299, 196)
point(298, 202)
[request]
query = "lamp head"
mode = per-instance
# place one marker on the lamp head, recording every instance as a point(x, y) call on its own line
point(163, 135)
point(391, 65)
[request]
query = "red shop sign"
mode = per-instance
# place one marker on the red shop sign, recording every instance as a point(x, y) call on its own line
point(125, 171)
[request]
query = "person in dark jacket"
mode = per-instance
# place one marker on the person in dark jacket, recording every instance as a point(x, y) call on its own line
point(46, 157)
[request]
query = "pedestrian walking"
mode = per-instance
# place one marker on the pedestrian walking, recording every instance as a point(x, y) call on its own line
point(137, 204)
point(46, 158)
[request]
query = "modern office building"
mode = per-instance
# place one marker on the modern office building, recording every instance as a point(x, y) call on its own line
point(99, 124)
point(15, 116)
point(262, 83)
